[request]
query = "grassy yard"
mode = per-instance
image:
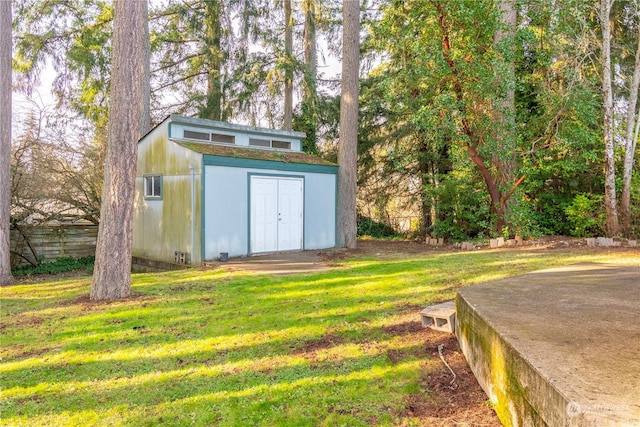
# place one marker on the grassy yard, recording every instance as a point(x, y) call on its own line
point(214, 347)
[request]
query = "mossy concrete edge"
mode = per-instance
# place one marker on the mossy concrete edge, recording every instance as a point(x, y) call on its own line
point(520, 395)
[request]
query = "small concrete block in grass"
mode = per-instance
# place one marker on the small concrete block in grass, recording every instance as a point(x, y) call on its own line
point(632, 243)
point(440, 317)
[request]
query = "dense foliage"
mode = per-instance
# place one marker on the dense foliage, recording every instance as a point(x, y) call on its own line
point(371, 228)
point(476, 117)
point(478, 126)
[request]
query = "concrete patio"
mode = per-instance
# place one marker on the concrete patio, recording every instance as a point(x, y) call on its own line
point(558, 347)
point(278, 263)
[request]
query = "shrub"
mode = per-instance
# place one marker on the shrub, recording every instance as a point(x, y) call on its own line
point(522, 220)
point(586, 215)
point(370, 227)
point(463, 208)
point(60, 265)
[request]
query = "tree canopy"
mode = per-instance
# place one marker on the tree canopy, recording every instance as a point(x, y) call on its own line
point(475, 118)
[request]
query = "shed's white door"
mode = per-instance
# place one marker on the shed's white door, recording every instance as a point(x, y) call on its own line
point(264, 214)
point(276, 214)
point(289, 214)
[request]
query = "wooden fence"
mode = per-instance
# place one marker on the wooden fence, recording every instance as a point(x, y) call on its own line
point(52, 242)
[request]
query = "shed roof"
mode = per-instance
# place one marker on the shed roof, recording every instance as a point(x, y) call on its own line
point(254, 153)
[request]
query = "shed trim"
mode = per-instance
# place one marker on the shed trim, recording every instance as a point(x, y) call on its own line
point(238, 162)
point(203, 205)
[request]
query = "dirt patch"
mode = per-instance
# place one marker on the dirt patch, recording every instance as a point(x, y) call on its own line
point(86, 304)
point(445, 401)
point(30, 321)
point(322, 343)
point(78, 300)
point(398, 356)
point(39, 278)
point(36, 352)
point(393, 248)
point(410, 308)
point(406, 328)
point(376, 247)
point(22, 321)
point(441, 402)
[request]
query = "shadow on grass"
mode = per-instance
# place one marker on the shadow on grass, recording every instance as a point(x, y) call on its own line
point(203, 382)
point(210, 347)
point(157, 351)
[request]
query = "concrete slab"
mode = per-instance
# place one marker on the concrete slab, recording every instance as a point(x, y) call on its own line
point(558, 347)
point(278, 263)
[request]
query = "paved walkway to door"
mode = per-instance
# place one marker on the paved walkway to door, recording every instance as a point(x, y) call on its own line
point(279, 263)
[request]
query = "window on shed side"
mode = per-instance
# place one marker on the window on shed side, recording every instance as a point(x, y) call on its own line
point(267, 143)
point(260, 142)
point(281, 144)
point(153, 186)
point(223, 139)
point(201, 136)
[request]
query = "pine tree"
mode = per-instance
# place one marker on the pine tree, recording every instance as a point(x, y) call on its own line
point(112, 272)
point(5, 140)
point(348, 145)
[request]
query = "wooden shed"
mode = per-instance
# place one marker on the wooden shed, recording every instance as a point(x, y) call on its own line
point(206, 188)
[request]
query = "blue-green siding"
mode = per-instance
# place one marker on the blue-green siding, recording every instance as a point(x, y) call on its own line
point(226, 215)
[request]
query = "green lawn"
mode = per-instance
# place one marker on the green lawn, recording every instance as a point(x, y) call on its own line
point(234, 349)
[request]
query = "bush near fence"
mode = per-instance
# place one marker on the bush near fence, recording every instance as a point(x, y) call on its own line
point(51, 242)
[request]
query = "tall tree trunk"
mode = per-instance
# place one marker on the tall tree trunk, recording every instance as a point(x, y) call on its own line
point(607, 108)
point(348, 144)
point(213, 109)
point(5, 141)
point(630, 144)
point(428, 178)
point(506, 155)
point(310, 43)
point(310, 101)
point(288, 71)
point(112, 272)
point(145, 59)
